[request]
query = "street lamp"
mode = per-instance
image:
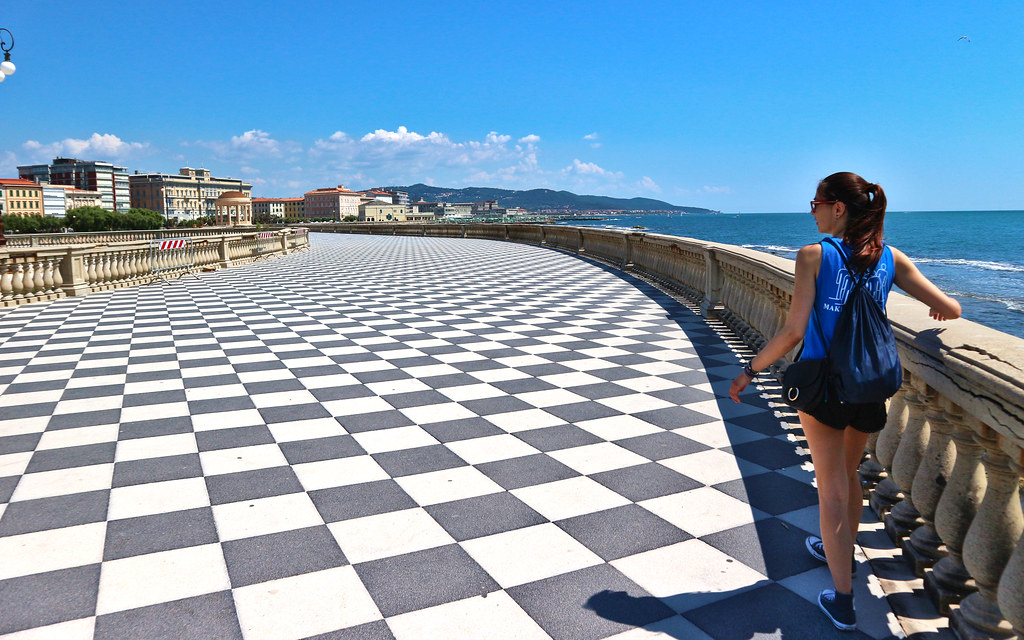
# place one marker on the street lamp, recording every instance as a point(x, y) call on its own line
point(7, 67)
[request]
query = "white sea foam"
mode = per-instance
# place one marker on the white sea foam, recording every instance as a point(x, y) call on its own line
point(1009, 303)
point(985, 265)
point(771, 248)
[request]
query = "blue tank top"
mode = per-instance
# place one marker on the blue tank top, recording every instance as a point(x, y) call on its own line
point(831, 290)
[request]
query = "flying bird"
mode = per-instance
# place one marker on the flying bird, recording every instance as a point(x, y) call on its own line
point(963, 38)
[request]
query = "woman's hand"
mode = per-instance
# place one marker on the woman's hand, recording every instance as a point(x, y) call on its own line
point(738, 385)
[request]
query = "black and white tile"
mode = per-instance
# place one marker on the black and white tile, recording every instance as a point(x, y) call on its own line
point(388, 437)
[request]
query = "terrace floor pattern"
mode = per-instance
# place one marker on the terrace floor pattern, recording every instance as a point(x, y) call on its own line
point(388, 437)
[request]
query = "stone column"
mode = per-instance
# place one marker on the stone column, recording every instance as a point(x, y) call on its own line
point(225, 260)
point(871, 472)
point(991, 540)
point(886, 493)
point(949, 582)
point(6, 278)
point(904, 517)
point(1011, 584)
point(924, 547)
point(712, 283)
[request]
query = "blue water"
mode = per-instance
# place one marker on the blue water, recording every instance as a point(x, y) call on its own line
point(975, 256)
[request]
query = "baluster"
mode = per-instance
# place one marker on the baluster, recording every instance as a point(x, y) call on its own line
point(18, 282)
point(139, 263)
point(904, 517)
point(1011, 584)
point(58, 279)
point(48, 275)
point(990, 542)
point(95, 269)
point(107, 273)
point(115, 267)
point(871, 473)
point(924, 547)
point(886, 493)
point(949, 582)
point(38, 281)
point(6, 276)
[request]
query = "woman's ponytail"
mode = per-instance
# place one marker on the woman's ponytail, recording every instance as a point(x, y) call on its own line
point(865, 215)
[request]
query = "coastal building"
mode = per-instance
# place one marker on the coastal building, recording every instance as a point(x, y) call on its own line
point(278, 207)
point(92, 175)
point(379, 211)
point(58, 199)
point(55, 199)
point(232, 209)
point(75, 198)
point(413, 213)
point(456, 210)
point(21, 197)
point(398, 197)
point(378, 195)
point(188, 195)
point(332, 203)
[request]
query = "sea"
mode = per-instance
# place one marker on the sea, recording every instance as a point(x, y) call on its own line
point(975, 256)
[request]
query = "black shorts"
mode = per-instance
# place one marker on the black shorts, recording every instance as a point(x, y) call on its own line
point(868, 417)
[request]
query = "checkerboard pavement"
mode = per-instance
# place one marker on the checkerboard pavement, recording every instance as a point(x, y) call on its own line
point(388, 437)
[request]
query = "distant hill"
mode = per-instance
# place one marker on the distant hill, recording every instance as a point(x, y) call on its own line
point(535, 199)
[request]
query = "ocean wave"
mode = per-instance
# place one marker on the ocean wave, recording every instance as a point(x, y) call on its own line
point(1009, 303)
point(985, 265)
point(771, 248)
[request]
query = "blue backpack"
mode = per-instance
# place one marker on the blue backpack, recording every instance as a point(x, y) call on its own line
point(864, 365)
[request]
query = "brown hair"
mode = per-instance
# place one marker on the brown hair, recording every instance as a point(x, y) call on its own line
point(865, 214)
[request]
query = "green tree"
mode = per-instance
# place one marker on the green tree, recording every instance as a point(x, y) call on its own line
point(83, 219)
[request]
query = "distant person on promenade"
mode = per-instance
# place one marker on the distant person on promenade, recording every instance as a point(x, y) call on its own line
point(848, 207)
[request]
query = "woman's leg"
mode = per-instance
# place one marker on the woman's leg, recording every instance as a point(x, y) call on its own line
point(828, 453)
point(854, 444)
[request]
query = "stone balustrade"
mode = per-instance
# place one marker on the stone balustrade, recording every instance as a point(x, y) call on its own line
point(945, 473)
point(49, 271)
point(107, 237)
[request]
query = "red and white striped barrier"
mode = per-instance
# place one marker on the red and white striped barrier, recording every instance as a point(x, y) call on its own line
point(266, 234)
point(173, 244)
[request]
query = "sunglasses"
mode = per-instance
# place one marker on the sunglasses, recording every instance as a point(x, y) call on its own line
point(815, 203)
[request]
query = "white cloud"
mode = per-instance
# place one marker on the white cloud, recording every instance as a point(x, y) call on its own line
point(253, 144)
point(530, 139)
point(250, 170)
point(387, 157)
point(107, 145)
point(404, 136)
point(591, 136)
point(648, 184)
point(589, 169)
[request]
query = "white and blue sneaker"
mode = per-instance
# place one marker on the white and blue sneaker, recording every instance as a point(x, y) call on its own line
point(839, 609)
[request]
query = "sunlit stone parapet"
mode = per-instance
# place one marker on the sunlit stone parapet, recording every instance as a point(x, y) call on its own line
point(48, 271)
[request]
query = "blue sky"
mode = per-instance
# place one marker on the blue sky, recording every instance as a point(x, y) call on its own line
point(737, 106)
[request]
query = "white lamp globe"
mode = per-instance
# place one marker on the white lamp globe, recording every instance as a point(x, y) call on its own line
point(7, 68)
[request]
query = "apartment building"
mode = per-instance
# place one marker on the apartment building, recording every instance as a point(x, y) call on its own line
point(91, 175)
point(279, 207)
point(21, 197)
point(188, 195)
point(333, 203)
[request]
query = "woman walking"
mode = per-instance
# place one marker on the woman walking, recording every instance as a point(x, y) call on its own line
point(848, 207)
